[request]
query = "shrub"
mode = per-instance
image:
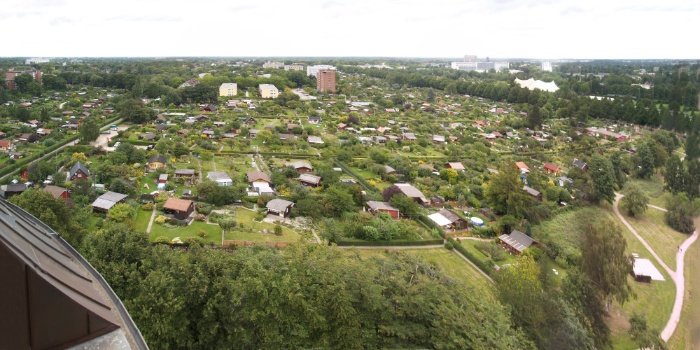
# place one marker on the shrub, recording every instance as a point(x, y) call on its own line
point(147, 207)
point(449, 245)
point(162, 239)
point(278, 230)
point(200, 217)
point(202, 233)
point(161, 219)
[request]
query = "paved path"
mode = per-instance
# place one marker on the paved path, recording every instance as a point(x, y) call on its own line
point(655, 207)
point(150, 223)
point(677, 276)
point(393, 247)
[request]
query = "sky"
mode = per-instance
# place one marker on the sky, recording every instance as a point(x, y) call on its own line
point(537, 29)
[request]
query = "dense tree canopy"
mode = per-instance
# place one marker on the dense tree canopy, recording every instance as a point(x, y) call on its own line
point(306, 296)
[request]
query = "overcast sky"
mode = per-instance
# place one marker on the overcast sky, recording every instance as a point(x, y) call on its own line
point(634, 29)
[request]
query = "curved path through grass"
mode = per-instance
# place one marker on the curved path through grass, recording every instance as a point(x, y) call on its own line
point(677, 276)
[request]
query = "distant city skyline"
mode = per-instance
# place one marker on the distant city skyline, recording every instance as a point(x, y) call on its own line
point(533, 29)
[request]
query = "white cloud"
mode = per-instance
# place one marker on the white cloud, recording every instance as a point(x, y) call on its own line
point(416, 28)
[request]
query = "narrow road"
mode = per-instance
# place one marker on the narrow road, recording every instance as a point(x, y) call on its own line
point(150, 223)
point(393, 247)
point(677, 276)
point(655, 207)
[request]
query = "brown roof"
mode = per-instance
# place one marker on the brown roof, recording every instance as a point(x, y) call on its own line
point(450, 215)
point(177, 204)
point(41, 269)
point(55, 190)
point(256, 175)
point(521, 165)
point(551, 167)
point(456, 165)
point(5, 143)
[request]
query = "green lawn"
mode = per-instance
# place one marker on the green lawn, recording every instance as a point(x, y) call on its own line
point(452, 264)
point(663, 239)
point(654, 300)
point(653, 187)
point(252, 230)
point(213, 232)
point(142, 219)
point(150, 180)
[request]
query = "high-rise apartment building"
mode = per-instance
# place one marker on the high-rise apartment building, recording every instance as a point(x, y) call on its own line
point(325, 80)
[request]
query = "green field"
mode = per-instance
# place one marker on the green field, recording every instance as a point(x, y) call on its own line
point(663, 239)
point(247, 217)
point(687, 334)
point(213, 232)
point(653, 300)
point(142, 219)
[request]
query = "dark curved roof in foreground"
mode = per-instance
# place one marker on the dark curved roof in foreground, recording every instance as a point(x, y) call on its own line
point(50, 296)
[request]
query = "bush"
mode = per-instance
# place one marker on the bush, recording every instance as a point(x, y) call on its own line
point(278, 229)
point(449, 245)
point(161, 219)
point(200, 217)
point(147, 207)
point(485, 266)
point(162, 239)
point(202, 233)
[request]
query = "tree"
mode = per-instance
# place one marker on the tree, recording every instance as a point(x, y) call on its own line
point(134, 111)
point(430, 96)
point(604, 260)
point(123, 213)
point(616, 161)
point(646, 161)
point(534, 118)
point(603, 178)
point(644, 336)
point(674, 174)
point(580, 294)
point(89, 130)
point(338, 200)
point(635, 200)
point(519, 287)
point(681, 212)
point(505, 194)
point(51, 211)
point(406, 205)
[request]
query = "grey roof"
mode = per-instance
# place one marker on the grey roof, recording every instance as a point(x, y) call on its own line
point(376, 205)
point(218, 175)
point(313, 179)
point(108, 200)
point(389, 169)
point(287, 136)
point(450, 215)
point(314, 139)
point(78, 166)
point(518, 240)
point(409, 135)
point(13, 188)
point(158, 158)
point(184, 171)
point(279, 205)
point(533, 192)
point(410, 191)
point(579, 164)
